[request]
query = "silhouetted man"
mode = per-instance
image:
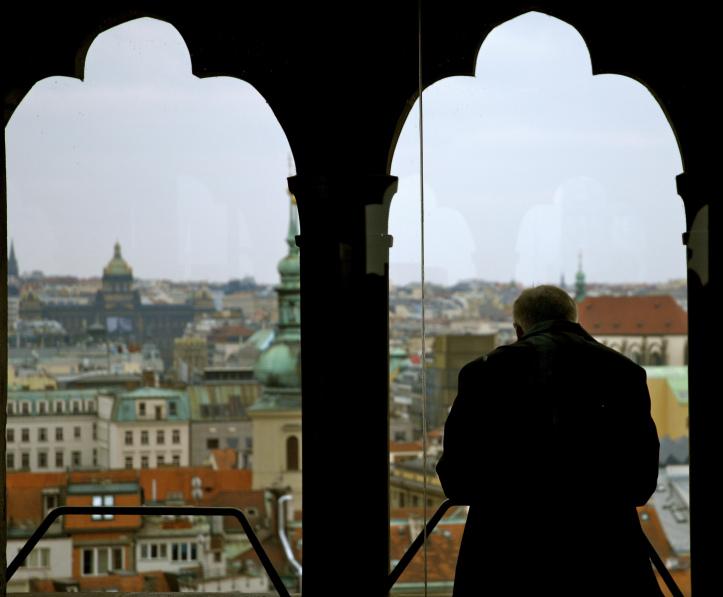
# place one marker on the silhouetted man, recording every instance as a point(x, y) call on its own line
point(551, 443)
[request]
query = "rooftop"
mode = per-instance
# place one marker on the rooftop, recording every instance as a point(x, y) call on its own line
point(632, 315)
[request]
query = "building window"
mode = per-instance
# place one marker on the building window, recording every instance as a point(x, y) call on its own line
point(176, 436)
point(11, 408)
point(58, 407)
point(102, 500)
point(25, 408)
point(129, 438)
point(91, 406)
point(41, 408)
point(144, 438)
point(129, 461)
point(95, 457)
point(50, 501)
point(76, 407)
point(42, 434)
point(176, 460)
point(212, 443)
point(160, 437)
point(42, 460)
point(88, 561)
point(38, 558)
point(117, 558)
point(75, 459)
point(25, 460)
point(144, 551)
point(95, 431)
point(159, 413)
point(172, 409)
point(144, 461)
point(59, 434)
point(292, 453)
point(101, 560)
point(141, 409)
point(160, 460)
point(25, 435)
point(183, 552)
point(59, 457)
point(76, 432)
point(10, 459)
point(10, 435)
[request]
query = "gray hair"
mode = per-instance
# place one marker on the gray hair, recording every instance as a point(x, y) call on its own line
point(543, 303)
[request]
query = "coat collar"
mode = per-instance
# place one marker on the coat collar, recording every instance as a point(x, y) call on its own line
point(556, 326)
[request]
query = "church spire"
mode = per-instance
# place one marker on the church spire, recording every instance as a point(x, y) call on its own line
point(12, 262)
point(580, 285)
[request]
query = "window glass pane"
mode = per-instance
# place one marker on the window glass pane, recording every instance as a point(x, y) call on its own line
point(117, 558)
point(536, 172)
point(102, 560)
point(156, 279)
point(88, 561)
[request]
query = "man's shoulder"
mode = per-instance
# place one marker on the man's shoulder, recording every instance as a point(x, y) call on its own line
point(499, 357)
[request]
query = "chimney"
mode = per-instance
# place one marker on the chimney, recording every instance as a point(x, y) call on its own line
point(150, 378)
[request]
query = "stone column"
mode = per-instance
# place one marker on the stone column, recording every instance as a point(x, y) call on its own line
point(705, 414)
point(345, 381)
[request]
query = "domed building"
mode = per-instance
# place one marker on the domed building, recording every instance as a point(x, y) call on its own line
point(276, 416)
point(116, 311)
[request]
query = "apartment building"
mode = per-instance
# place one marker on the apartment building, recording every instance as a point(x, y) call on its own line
point(53, 430)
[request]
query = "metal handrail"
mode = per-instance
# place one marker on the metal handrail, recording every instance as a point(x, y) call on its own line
point(417, 543)
point(447, 504)
point(151, 511)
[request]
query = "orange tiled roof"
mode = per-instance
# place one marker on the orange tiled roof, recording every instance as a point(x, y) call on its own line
point(656, 535)
point(178, 481)
point(155, 581)
point(25, 497)
point(632, 315)
point(225, 458)
point(244, 500)
point(405, 446)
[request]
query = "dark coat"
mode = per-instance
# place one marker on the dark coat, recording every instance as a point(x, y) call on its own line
point(551, 443)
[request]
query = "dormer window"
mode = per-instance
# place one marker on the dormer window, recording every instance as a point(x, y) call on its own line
point(102, 500)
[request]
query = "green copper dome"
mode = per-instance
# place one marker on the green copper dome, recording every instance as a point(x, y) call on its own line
point(279, 366)
point(117, 266)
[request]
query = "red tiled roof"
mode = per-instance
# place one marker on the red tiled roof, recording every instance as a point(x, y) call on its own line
point(154, 581)
point(632, 315)
point(405, 446)
point(224, 459)
point(25, 496)
point(245, 500)
point(178, 480)
point(231, 332)
point(656, 535)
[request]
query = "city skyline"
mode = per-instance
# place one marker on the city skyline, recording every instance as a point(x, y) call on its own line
point(527, 164)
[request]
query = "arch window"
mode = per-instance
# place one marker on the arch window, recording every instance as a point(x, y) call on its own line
point(292, 453)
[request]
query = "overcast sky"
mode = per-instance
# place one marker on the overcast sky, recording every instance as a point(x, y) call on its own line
point(528, 164)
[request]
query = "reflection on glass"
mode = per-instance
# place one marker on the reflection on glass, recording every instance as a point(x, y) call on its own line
point(153, 322)
point(536, 172)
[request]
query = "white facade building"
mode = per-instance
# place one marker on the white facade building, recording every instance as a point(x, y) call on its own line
point(53, 430)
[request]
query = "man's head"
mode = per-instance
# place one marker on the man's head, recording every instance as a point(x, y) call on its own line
point(542, 303)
